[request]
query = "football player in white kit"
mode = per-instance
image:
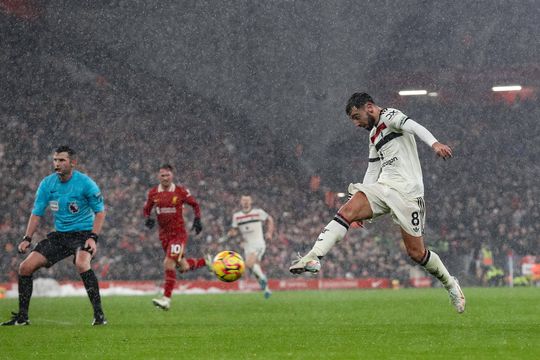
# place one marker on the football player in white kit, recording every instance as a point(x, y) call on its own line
point(392, 184)
point(249, 223)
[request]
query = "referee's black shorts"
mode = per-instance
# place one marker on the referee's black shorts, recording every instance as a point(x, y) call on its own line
point(59, 245)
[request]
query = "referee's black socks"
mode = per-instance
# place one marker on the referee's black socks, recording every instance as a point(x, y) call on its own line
point(26, 284)
point(92, 288)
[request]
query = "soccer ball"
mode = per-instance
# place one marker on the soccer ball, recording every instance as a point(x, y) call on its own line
point(228, 266)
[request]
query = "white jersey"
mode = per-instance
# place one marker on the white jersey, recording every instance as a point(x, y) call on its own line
point(396, 150)
point(250, 225)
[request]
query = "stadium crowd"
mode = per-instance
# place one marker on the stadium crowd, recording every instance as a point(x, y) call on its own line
point(486, 196)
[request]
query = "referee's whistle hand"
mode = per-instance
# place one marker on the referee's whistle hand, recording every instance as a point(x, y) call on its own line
point(90, 246)
point(23, 246)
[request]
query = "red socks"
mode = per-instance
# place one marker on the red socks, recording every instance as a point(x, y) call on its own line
point(196, 263)
point(170, 281)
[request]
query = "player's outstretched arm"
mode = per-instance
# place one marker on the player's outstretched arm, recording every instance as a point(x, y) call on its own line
point(426, 136)
point(230, 234)
point(442, 150)
point(270, 226)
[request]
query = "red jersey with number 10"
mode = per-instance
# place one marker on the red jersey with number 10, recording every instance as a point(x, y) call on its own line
point(169, 204)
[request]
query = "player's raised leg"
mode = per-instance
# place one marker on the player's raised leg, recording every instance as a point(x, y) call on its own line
point(430, 261)
point(357, 208)
point(190, 264)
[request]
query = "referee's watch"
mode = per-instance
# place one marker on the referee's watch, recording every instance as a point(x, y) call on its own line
point(27, 238)
point(94, 236)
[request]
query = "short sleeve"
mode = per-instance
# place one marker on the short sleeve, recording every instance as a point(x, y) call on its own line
point(263, 214)
point(93, 194)
point(41, 201)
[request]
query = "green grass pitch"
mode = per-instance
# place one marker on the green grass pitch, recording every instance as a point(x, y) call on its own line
point(499, 323)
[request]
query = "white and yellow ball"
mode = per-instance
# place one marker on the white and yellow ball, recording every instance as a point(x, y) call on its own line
point(228, 266)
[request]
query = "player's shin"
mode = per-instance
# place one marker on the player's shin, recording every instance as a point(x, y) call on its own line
point(170, 282)
point(334, 232)
point(257, 271)
point(25, 294)
point(433, 264)
point(91, 285)
point(195, 264)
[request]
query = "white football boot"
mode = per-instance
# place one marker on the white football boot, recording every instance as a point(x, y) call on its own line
point(163, 303)
point(308, 263)
point(456, 296)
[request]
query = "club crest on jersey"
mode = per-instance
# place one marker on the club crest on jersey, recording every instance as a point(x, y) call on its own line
point(73, 207)
point(174, 199)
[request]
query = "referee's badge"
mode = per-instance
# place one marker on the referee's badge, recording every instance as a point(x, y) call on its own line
point(53, 205)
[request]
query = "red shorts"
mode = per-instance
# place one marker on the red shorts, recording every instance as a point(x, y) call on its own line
point(173, 244)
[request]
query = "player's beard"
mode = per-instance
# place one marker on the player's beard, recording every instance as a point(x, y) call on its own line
point(371, 122)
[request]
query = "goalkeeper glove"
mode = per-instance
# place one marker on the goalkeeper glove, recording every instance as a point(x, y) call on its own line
point(197, 226)
point(149, 223)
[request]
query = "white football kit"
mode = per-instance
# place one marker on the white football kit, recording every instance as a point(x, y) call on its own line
point(250, 225)
point(393, 181)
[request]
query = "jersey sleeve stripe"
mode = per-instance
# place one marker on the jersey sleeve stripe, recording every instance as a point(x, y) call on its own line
point(404, 121)
point(374, 159)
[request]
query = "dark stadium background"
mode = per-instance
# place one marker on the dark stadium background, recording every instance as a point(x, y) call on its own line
point(249, 96)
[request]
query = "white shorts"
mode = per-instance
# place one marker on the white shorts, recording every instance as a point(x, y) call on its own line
point(257, 249)
point(410, 214)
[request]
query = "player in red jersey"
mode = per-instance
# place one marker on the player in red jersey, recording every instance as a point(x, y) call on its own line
point(168, 200)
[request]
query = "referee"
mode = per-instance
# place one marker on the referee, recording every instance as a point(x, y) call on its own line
point(79, 213)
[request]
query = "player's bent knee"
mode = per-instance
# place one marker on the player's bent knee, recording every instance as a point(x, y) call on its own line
point(26, 268)
point(82, 266)
point(415, 254)
point(357, 208)
point(250, 263)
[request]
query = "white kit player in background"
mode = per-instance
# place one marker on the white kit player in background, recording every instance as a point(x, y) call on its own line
point(392, 184)
point(249, 223)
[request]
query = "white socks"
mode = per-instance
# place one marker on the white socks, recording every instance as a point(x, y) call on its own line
point(433, 264)
point(256, 268)
point(333, 232)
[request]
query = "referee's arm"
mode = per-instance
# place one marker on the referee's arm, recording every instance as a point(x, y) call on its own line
point(31, 228)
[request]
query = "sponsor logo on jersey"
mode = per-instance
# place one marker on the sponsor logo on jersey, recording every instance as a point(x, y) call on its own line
point(165, 210)
point(73, 207)
point(389, 162)
point(391, 114)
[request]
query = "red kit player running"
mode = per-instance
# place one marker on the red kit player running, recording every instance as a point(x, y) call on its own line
point(168, 199)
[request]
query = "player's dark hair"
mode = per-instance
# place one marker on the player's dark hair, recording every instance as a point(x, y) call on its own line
point(166, 167)
point(358, 100)
point(67, 149)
